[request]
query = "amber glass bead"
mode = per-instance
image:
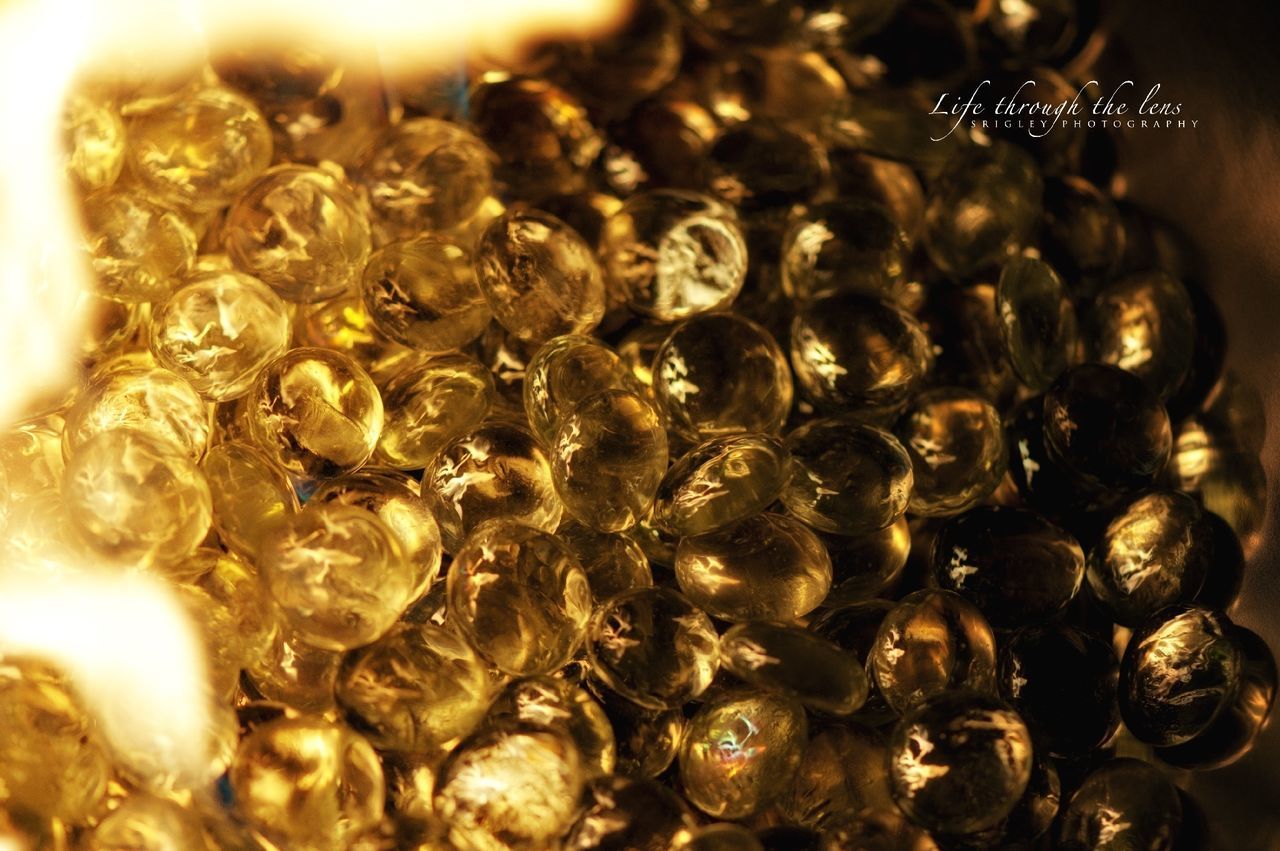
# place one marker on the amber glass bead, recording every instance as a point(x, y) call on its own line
point(955, 441)
point(636, 60)
point(842, 246)
point(153, 401)
point(647, 740)
point(201, 150)
point(519, 596)
point(308, 781)
point(218, 330)
point(1038, 321)
point(967, 339)
point(721, 482)
point(339, 575)
point(797, 662)
point(653, 647)
point(133, 500)
point(846, 477)
point(932, 641)
point(881, 829)
point(719, 374)
point(146, 823)
point(302, 231)
point(564, 371)
point(741, 752)
point(540, 277)
point(613, 561)
point(844, 770)
point(725, 836)
point(760, 164)
point(427, 404)
point(422, 293)
point(766, 567)
point(139, 250)
point(1145, 324)
point(622, 814)
point(234, 610)
point(555, 704)
point(93, 136)
point(31, 459)
point(863, 566)
point(295, 673)
point(315, 413)
point(1083, 232)
point(344, 325)
point(1124, 804)
point(251, 497)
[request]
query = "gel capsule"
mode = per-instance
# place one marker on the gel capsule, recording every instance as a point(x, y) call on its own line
point(842, 246)
point(149, 400)
point(1037, 321)
point(422, 293)
point(139, 250)
point(564, 371)
point(429, 403)
point(844, 771)
point(1124, 804)
point(1145, 324)
point(721, 482)
point(554, 704)
point(251, 496)
point(795, 661)
point(955, 441)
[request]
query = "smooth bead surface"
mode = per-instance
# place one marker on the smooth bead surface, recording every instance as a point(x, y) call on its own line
point(955, 441)
point(148, 400)
point(422, 293)
point(428, 404)
point(1038, 321)
point(139, 250)
point(1125, 803)
point(1145, 324)
point(720, 482)
point(796, 662)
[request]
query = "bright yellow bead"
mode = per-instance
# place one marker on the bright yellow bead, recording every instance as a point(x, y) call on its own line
point(140, 251)
point(153, 401)
point(422, 293)
point(430, 403)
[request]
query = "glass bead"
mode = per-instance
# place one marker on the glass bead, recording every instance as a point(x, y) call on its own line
point(955, 440)
point(864, 566)
point(653, 647)
point(295, 673)
point(1083, 233)
point(607, 459)
point(766, 567)
point(887, 125)
point(1042, 30)
point(510, 787)
point(540, 277)
point(133, 500)
point(519, 597)
point(564, 371)
point(429, 403)
point(308, 781)
point(883, 829)
point(315, 413)
point(138, 249)
point(846, 477)
point(1014, 565)
point(797, 662)
point(613, 561)
point(1055, 152)
point(300, 230)
point(1037, 321)
point(1124, 804)
point(967, 340)
point(199, 151)
point(761, 165)
point(854, 627)
point(719, 374)
point(640, 56)
point(674, 254)
point(152, 401)
point(110, 326)
point(722, 837)
point(218, 331)
point(31, 457)
point(930, 642)
point(647, 741)
point(146, 823)
point(93, 138)
point(892, 185)
point(344, 325)
point(1179, 671)
point(984, 208)
point(1154, 552)
point(496, 471)
point(959, 762)
point(842, 246)
point(720, 482)
point(741, 752)
point(553, 704)
point(1144, 324)
point(339, 575)
point(422, 293)
point(251, 497)
point(414, 690)
point(660, 142)
point(235, 611)
point(844, 771)
point(1062, 680)
point(1106, 428)
point(622, 814)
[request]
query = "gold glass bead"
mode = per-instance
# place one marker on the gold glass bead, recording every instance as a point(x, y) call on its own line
point(764, 166)
point(613, 561)
point(519, 596)
point(236, 612)
point(133, 500)
point(955, 440)
point(31, 458)
point(344, 325)
point(553, 704)
point(634, 61)
point(842, 246)
point(880, 829)
point(110, 326)
point(795, 661)
point(199, 151)
point(218, 331)
point(295, 673)
point(93, 136)
point(647, 740)
point(766, 567)
point(251, 496)
point(154, 401)
point(1037, 321)
point(308, 781)
point(1125, 803)
point(741, 752)
point(564, 371)
point(315, 413)
point(865, 565)
point(422, 293)
point(147, 823)
point(721, 482)
point(722, 837)
point(1145, 324)
point(843, 771)
point(428, 404)
point(619, 812)
point(301, 231)
point(139, 249)
point(540, 277)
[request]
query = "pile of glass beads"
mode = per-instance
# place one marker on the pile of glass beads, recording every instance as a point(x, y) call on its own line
point(650, 443)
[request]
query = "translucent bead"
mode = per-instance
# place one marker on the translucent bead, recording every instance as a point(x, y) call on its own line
point(797, 662)
point(422, 293)
point(767, 567)
point(133, 500)
point(308, 781)
point(553, 704)
point(844, 771)
point(653, 647)
point(660, 142)
point(429, 403)
point(519, 596)
point(955, 441)
point(344, 325)
point(31, 457)
point(1037, 321)
point(496, 471)
point(234, 610)
point(251, 497)
point(864, 566)
point(647, 740)
point(1124, 804)
point(723, 837)
point(621, 813)
point(1145, 324)
point(1083, 233)
point(719, 374)
point(1155, 552)
point(199, 151)
point(338, 574)
point(315, 413)
point(846, 477)
point(564, 371)
point(301, 231)
point(1180, 670)
point(607, 459)
point(613, 561)
point(741, 752)
point(959, 762)
point(139, 250)
point(540, 277)
point(1062, 681)
point(152, 401)
point(758, 165)
point(675, 254)
point(1106, 428)
point(930, 642)
point(218, 331)
point(842, 246)
point(721, 482)
point(295, 673)
point(414, 690)
point(967, 340)
point(426, 175)
point(146, 823)
point(93, 136)
point(1014, 565)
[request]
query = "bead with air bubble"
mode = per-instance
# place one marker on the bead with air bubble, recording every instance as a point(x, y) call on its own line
point(720, 482)
point(150, 400)
point(422, 293)
point(563, 372)
point(139, 250)
point(955, 440)
point(251, 496)
point(429, 403)
point(556, 704)
point(794, 661)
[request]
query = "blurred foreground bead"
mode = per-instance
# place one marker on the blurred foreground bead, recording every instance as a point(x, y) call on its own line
point(251, 496)
point(959, 762)
point(1145, 324)
point(564, 371)
point(148, 400)
point(1083, 234)
point(308, 781)
point(634, 61)
point(843, 772)
point(794, 661)
point(1124, 804)
point(1037, 321)
point(762, 165)
point(429, 403)
point(554, 704)
point(842, 246)
point(721, 482)
point(146, 823)
point(955, 441)
point(139, 250)
point(422, 293)
point(93, 138)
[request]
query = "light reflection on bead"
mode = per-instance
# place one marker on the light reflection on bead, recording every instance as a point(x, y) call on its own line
point(149, 400)
point(720, 482)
